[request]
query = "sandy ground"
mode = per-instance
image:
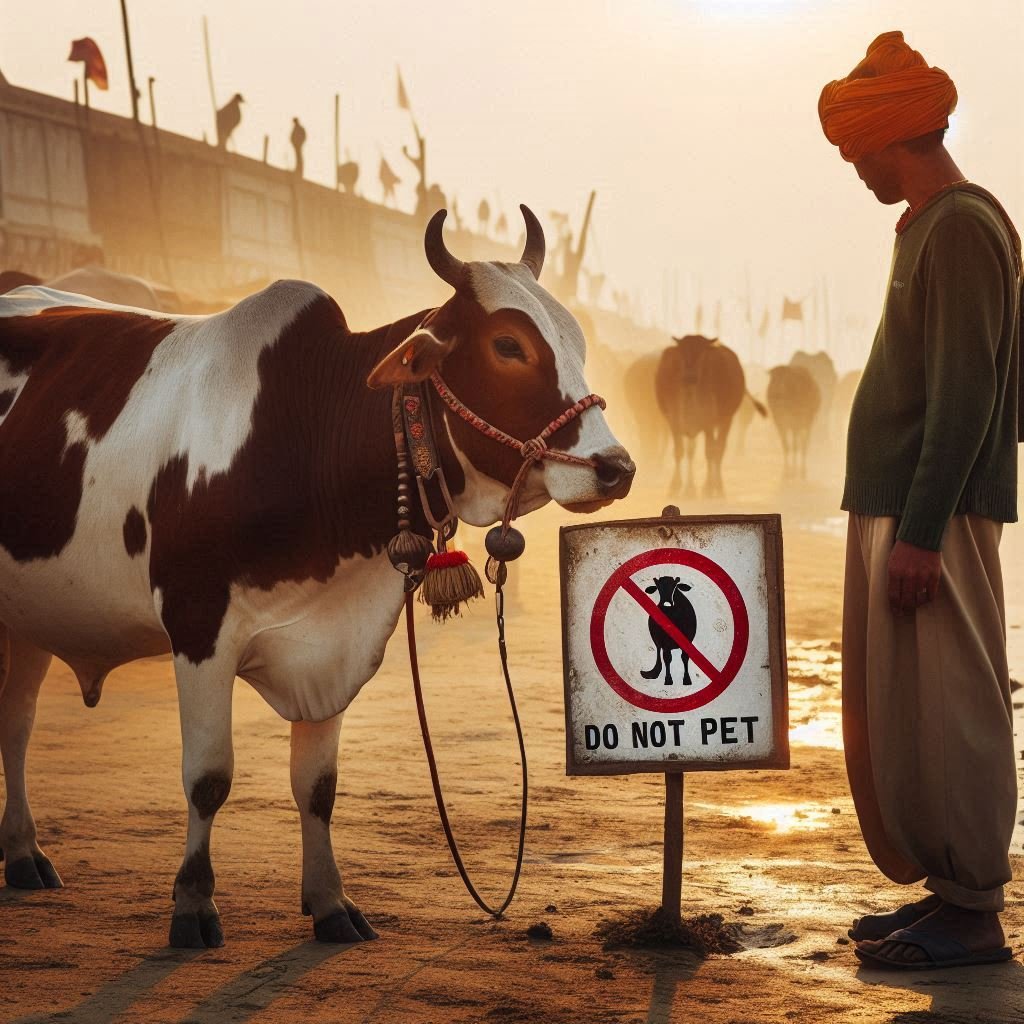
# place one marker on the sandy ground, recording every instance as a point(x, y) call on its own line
point(777, 853)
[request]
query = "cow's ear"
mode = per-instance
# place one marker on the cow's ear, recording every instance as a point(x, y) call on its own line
point(413, 360)
point(685, 586)
point(651, 590)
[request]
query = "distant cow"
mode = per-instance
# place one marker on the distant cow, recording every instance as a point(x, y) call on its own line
point(680, 613)
point(794, 399)
point(820, 366)
point(846, 388)
point(699, 385)
point(98, 282)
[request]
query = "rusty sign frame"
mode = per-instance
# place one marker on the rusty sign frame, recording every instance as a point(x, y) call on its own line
point(771, 530)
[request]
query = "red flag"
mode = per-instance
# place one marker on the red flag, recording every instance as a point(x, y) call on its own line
point(88, 52)
point(403, 96)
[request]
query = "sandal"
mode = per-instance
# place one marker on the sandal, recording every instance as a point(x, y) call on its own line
point(941, 952)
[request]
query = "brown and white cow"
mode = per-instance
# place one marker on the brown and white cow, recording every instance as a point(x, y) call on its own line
point(223, 487)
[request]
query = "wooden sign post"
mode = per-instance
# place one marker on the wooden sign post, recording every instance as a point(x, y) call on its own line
point(673, 642)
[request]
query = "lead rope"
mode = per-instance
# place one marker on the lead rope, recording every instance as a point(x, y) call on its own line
point(533, 452)
point(428, 746)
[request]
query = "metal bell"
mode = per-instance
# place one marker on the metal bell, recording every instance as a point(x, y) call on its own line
point(507, 548)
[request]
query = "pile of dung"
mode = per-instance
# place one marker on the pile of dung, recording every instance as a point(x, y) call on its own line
point(702, 934)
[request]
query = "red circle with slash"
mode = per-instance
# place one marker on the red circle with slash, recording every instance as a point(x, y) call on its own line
point(718, 678)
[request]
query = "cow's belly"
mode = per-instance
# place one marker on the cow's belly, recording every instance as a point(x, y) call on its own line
point(313, 646)
point(93, 613)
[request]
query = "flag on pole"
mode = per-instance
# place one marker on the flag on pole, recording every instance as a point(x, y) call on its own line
point(403, 96)
point(89, 54)
point(792, 310)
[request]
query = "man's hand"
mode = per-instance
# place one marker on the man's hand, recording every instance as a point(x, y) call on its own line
point(914, 575)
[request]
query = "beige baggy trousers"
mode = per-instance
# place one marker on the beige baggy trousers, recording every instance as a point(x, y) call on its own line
point(927, 719)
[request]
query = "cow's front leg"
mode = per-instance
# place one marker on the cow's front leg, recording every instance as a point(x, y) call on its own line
point(207, 763)
point(314, 771)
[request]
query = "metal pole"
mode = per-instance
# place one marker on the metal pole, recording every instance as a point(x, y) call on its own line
point(337, 140)
point(209, 77)
point(266, 147)
point(152, 102)
point(131, 66)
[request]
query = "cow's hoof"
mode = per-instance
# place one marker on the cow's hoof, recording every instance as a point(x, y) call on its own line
point(32, 873)
point(363, 926)
point(196, 931)
point(341, 926)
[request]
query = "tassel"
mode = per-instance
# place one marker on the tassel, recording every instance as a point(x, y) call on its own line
point(409, 552)
point(449, 581)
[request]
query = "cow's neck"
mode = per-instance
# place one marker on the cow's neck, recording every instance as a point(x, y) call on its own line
point(353, 445)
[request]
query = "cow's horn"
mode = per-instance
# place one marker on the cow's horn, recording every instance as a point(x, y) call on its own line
point(533, 251)
point(442, 262)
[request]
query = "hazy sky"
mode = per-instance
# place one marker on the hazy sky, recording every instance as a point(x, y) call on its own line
point(695, 120)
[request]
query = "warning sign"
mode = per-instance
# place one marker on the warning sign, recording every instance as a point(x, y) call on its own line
point(674, 645)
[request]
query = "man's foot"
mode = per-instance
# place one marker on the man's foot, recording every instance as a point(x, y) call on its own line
point(878, 926)
point(947, 937)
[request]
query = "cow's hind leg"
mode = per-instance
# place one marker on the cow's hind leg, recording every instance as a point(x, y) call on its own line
point(314, 772)
point(24, 665)
point(687, 681)
point(207, 763)
point(656, 671)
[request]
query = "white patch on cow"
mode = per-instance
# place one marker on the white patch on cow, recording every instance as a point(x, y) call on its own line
point(498, 286)
point(76, 426)
point(308, 648)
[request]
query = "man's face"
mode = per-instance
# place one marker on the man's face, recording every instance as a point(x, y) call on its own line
point(879, 173)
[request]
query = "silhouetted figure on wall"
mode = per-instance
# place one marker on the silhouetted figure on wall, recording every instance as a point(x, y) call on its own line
point(483, 215)
point(229, 117)
point(501, 226)
point(388, 180)
point(420, 163)
point(456, 215)
point(298, 138)
point(348, 174)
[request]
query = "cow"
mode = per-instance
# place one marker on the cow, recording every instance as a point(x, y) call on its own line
point(98, 282)
point(699, 385)
point(677, 608)
point(223, 488)
point(793, 398)
point(820, 366)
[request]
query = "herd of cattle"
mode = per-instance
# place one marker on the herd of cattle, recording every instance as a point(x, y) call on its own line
point(697, 386)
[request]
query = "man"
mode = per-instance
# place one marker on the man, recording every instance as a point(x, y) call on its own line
point(930, 479)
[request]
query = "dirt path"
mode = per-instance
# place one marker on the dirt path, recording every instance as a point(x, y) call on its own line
point(778, 853)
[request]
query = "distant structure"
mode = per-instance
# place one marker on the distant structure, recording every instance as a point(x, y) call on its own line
point(434, 200)
point(483, 215)
point(456, 215)
point(229, 117)
point(501, 227)
point(298, 139)
point(388, 180)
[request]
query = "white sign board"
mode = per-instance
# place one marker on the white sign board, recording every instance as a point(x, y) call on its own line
point(674, 645)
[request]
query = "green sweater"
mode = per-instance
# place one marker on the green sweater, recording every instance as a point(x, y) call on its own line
point(933, 429)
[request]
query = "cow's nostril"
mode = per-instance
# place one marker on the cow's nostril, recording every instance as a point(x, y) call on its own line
point(614, 469)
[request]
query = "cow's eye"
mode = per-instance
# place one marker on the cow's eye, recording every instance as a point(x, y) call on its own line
point(509, 348)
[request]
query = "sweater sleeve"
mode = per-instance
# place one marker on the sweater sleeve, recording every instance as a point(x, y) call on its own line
point(964, 305)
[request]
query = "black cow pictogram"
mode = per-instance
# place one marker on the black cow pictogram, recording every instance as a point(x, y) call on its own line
point(677, 608)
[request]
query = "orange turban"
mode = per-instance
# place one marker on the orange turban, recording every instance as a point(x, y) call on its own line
point(892, 95)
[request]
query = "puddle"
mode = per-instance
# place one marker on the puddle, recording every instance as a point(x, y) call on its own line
point(779, 817)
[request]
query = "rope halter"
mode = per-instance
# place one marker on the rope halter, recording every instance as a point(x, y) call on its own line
point(533, 451)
